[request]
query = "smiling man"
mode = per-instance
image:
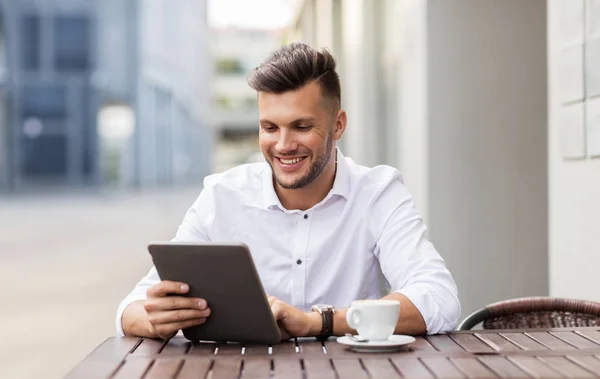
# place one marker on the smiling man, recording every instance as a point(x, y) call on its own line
point(320, 227)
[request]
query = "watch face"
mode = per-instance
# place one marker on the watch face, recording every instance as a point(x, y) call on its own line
point(322, 307)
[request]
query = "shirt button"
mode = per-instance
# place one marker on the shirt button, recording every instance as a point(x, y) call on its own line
point(299, 261)
point(305, 217)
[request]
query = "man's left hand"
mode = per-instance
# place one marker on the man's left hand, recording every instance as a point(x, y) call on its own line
point(292, 321)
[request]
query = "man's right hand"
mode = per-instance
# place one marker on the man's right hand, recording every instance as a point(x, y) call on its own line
point(169, 313)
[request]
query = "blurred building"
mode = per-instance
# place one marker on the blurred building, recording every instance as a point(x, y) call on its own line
point(491, 109)
point(103, 91)
point(236, 53)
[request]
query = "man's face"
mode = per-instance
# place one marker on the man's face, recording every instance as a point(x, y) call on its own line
point(296, 134)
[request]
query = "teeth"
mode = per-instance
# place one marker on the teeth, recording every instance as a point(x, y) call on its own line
point(290, 161)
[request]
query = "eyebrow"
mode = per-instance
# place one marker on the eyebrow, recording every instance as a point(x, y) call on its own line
point(295, 122)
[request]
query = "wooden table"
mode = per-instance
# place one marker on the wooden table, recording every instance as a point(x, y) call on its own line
point(540, 353)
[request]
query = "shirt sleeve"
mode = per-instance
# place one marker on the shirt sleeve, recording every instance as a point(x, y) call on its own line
point(410, 262)
point(194, 228)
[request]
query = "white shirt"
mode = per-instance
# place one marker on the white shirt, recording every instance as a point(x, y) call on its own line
point(331, 253)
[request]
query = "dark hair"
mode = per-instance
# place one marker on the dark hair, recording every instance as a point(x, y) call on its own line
point(295, 65)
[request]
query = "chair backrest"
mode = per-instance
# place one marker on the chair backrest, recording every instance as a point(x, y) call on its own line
point(535, 312)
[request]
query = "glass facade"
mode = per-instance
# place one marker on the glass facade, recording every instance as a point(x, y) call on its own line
point(30, 42)
point(71, 43)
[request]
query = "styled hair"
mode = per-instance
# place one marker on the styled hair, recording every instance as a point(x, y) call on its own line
point(292, 67)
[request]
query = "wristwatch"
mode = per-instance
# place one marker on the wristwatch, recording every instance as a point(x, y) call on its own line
point(326, 311)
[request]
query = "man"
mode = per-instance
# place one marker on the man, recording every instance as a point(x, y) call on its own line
point(320, 227)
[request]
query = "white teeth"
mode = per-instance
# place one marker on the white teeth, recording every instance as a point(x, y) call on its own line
point(290, 161)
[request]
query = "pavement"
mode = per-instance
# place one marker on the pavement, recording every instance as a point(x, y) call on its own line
point(66, 261)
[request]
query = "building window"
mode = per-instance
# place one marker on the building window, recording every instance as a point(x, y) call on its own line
point(45, 155)
point(30, 43)
point(229, 66)
point(71, 43)
point(44, 101)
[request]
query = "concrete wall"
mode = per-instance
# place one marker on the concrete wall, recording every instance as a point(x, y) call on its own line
point(574, 182)
point(487, 146)
point(413, 126)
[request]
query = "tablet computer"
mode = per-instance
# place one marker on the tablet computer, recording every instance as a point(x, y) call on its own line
point(224, 275)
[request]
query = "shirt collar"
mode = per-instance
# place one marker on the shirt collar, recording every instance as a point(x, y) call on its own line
point(341, 184)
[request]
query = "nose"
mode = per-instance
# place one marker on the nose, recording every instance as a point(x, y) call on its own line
point(286, 142)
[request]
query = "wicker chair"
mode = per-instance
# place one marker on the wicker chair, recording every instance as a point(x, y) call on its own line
point(535, 312)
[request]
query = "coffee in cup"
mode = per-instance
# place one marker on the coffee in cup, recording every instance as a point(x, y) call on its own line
point(374, 320)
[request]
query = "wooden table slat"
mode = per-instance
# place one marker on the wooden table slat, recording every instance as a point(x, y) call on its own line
point(115, 347)
point(442, 367)
point(336, 349)
point(444, 343)
point(94, 369)
point(499, 343)
point(590, 363)
point(256, 369)
point(164, 368)
point(523, 341)
point(471, 343)
point(194, 367)
point(226, 368)
point(412, 368)
point(202, 349)
point(566, 367)
point(318, 368)
point(230, 348)
point(503, 367)
point(176, 346)
point(534, 367)
point(104, 359)
point(551, 341)
point(134, 367)
point(256, 349)
point(593, 335)
point(284, 348)
point(287, 368)
point(525, 330)
point(148, 347)
point(380, 368)
point(576, 340)
point(348, 368)
point(421, 344)
point(311, 347)
point(472, 368)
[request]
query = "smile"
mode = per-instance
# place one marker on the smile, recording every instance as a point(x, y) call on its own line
point(290, 165)
point(291, 161)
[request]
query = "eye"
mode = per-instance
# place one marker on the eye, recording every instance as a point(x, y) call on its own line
point(269, 128)
point(304, 127)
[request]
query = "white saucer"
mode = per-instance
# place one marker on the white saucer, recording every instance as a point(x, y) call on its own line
point(395, 342)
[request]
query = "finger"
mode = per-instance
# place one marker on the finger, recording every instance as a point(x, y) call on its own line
point(284, 334)
point(169, 330)
point(277, 309)
point(173, 302)
point(167, 287)
point(271, 299)
point(180, 315)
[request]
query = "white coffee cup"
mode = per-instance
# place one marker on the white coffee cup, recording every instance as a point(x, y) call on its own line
point(375, 319)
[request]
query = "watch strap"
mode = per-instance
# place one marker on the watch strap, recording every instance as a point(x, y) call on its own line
point(327, 328)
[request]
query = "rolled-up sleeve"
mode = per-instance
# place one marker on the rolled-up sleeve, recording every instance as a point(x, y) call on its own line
point(409, 261)
point(194, 228)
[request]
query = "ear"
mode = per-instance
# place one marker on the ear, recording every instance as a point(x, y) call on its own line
point(340, 124)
